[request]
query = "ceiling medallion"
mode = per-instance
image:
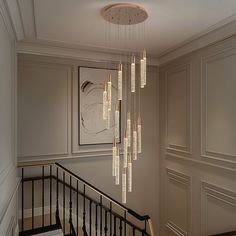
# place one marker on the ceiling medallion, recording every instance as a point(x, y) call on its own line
point(124, 14)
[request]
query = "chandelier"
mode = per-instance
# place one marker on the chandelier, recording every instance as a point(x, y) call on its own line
point(131, 79)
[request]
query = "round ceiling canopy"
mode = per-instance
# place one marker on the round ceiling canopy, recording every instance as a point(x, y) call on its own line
point(124, 14)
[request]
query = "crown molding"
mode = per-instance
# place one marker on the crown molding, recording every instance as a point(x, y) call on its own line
point(7, 20)
point(63, 50)
point(218, 32)
point(15, 18)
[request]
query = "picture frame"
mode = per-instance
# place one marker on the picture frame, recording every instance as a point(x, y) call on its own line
point(92, 127)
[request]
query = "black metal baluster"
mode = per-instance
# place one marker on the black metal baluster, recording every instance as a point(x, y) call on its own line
point(50, 186)
point(70, 211)
point(96, 221)
point(101, 215)
point(42, 196)
point(125, 223)
point(120, 227)
point(114, 233)
point(32, 204)
point(110, 218)
point(77, 207)
point(105, 228)
point(84, 214)
point(90, 217)
point(57, 202)
point(22, 199)
point(145, 228)
point(64, 203)
point(133, 231)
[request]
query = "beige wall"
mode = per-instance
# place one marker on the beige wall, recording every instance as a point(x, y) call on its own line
point(48, 125)
point(8, 182)
point(198, 133)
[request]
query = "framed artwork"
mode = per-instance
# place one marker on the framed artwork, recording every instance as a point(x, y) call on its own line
point(92, 127)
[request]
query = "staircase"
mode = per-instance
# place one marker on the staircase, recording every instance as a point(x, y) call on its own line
point(56, 202)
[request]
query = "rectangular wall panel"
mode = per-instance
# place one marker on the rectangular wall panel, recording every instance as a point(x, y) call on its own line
point(218, 106)
point(178, 202)
point(43, 89)
point(218, 209)
point(178, 101)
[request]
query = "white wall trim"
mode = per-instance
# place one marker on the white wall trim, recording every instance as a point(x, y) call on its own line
point(171, 147)
point(68, 70)
point(213, 191)
point(220, 31)
point(77, 52)
point(197, 162)
point(175, 229)
point(210, 155)
point(184, 180)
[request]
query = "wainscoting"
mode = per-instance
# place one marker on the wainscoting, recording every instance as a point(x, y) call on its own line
point(198, 133)
point(8, 181)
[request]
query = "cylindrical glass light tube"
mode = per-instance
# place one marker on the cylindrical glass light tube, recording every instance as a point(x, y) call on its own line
point(135, 143)
point(109, 88)
point(125, 152)
point(139, 134)
point(114, 159)
point(124, 186)
point(120, 82)
point(144, 67)
point(142, 73)
point(128, 128)
point(129, 172)
point(105, 103)
point(132, 76)
point(117, 162)
point(117, 121)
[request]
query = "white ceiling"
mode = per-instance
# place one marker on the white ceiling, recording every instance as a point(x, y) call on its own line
point(78, 22)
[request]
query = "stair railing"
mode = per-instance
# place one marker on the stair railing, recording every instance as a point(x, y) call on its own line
point(100, 216)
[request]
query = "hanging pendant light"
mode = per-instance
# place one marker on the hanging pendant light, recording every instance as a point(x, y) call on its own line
point(128, 87)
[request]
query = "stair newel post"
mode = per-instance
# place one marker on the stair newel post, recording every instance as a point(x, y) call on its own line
point(32, 204)
point(110, 218)
point(42, 196)
point(22, 199)
point(50, 194)
point(84, 213)
point(114, 233)
point(96, 220)
point(64, 203)
point(120, 228)
point(57, 202)
point(90, 217)
point(105, 228)
point(70, 211)
point(100, 215)
point(77, 207)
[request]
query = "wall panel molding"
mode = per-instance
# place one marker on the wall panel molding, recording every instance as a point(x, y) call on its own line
point(178, 179)
point(68, 72)
point(185, 149)
point(210, 191)
point(219, 157)
point(175, 229)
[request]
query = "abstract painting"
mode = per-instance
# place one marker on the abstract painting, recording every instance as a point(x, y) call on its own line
point(92, 127)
